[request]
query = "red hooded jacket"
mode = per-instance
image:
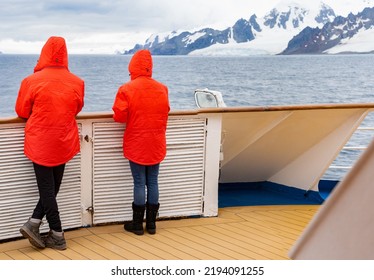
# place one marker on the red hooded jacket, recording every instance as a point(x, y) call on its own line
point(50, 99)
point(143, 104)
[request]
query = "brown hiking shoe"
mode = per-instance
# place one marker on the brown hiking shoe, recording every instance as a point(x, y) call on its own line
point(54, 241)
point(30, 231)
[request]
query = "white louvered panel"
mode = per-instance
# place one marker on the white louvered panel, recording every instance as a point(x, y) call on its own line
point(15, 206)
point(181, 176)
point(112, 181)
point(18, 190)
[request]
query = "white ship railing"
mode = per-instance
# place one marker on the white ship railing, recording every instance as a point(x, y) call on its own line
point(287, 145)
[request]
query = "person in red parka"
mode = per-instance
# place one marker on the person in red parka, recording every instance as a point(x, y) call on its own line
point(49, 99)
point(143, 104)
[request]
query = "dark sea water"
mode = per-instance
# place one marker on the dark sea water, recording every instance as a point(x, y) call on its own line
point(243, 81)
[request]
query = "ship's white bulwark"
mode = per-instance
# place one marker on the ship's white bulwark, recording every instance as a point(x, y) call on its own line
point(290, 145)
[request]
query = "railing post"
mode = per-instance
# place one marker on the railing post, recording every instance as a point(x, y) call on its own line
point(86, 172)
point(212, 160)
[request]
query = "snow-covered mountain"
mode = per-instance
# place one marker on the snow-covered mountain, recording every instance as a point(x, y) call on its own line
point(269, 34)
point(354, 33)
point(272, 32)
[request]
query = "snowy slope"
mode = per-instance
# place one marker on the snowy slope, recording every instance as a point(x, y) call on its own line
point(345, 34)
point(362, 42)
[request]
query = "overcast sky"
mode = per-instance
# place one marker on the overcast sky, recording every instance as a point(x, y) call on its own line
point(95, 26)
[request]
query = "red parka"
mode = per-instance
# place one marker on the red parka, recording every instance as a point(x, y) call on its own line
point(143, 104)
point(50, 99)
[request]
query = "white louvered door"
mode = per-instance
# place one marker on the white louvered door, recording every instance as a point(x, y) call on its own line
point(181, 179)
point(112, 180)
point(18, 189)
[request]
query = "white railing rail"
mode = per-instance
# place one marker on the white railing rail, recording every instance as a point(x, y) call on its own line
point(351, 152)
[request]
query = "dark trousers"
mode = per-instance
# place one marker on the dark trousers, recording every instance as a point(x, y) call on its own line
point(49, 181)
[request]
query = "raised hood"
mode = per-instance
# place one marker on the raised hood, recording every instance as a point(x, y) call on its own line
point(141, 64)
point(54, 53)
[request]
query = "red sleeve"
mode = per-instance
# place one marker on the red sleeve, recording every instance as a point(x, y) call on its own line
point(24, 101)
point(81, 103)
point(120, 107)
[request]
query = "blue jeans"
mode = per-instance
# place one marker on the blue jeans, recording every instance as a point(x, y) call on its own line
point(145, 176)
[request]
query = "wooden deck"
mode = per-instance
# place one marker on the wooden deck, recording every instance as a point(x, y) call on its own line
point(238, 233)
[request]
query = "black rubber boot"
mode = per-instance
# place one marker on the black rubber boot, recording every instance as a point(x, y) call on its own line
point(136, 225)
point(151, 215)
